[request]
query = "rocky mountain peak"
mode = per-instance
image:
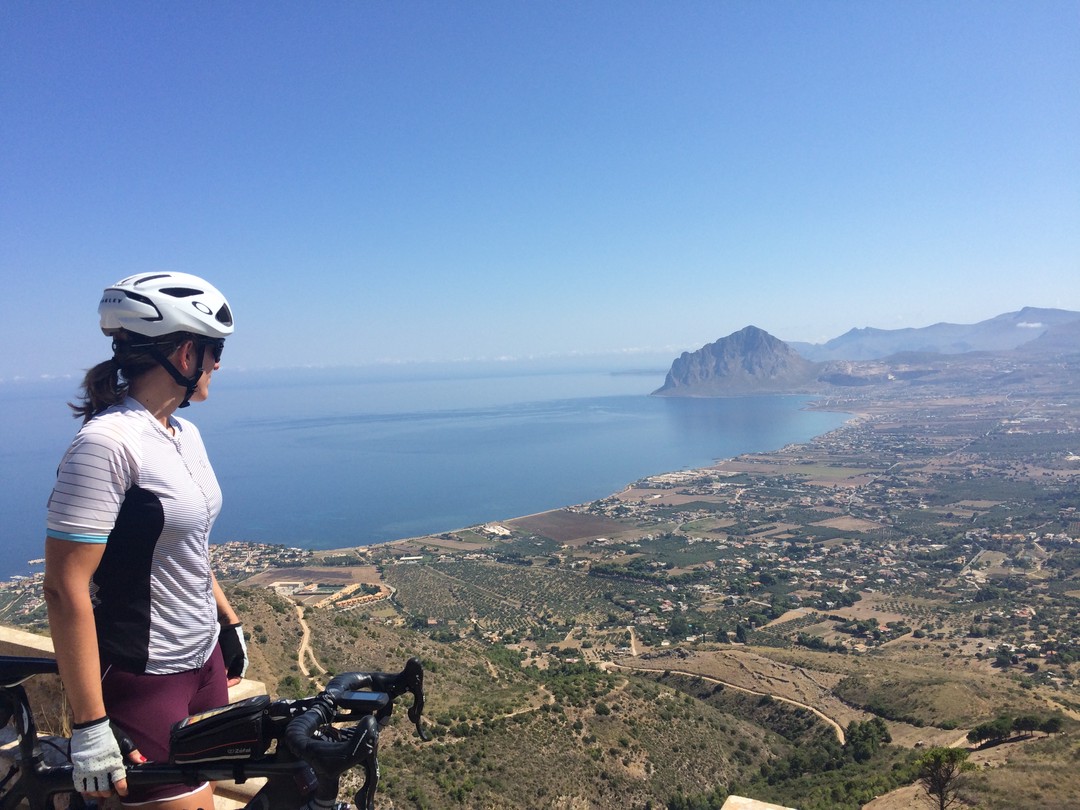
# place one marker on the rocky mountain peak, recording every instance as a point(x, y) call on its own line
point(748, 361)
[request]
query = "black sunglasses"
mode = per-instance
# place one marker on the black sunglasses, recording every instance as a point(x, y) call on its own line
point(215, 345)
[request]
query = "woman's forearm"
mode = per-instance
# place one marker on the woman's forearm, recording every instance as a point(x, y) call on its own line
point(225, 612)
point(71, 623)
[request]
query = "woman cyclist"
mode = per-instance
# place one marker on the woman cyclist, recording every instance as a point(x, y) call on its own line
point(144, 635)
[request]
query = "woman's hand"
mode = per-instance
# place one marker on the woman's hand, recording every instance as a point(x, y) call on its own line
point(234, 651)
point(231, 637)
point(98, 764)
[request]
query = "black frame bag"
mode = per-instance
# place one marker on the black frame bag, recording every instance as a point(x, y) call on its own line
point(235, 731)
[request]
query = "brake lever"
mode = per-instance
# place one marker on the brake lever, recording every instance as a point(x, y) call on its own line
point(413, 676)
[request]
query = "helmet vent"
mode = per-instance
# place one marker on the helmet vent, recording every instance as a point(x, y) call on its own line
point(137, 281)
point(142, 299)
point(224, 316)
point(181, 292)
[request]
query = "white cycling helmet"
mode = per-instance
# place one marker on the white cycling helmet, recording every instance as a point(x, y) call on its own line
point(156, 304)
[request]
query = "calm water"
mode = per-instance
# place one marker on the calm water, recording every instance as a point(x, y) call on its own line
point(332, 459)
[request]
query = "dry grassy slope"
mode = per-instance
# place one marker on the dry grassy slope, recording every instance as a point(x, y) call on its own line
point(49, 704)
point(538, 760)
point(1041, 772)
point(926, 687)
point(1038, 772)
point(502, 743)
point(505, 742)
point(1026, 772)
point(273, 632)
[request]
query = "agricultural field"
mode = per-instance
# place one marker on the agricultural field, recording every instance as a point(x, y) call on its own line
point(510, 599)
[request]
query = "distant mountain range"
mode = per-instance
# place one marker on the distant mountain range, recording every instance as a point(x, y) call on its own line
point(751, 361)
point(998, 334)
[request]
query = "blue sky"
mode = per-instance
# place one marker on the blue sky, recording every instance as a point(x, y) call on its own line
point(404, 181)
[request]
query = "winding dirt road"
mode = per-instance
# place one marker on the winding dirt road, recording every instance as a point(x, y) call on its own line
point(305, 651)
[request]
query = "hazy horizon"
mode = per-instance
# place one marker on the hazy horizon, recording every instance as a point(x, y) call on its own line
point(625, 361)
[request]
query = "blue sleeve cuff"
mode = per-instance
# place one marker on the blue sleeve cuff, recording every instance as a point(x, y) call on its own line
point(77, 538)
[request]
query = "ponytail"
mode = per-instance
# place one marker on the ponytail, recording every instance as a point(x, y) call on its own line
point(101, 388)
point(107, 383)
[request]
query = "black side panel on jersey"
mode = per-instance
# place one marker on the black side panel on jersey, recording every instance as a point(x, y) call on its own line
point(123, 581)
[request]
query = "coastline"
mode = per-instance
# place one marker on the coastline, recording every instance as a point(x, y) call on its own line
point(856, 416)
point(433, 469)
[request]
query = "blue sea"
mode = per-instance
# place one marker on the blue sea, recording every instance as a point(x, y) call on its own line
point(336, 458)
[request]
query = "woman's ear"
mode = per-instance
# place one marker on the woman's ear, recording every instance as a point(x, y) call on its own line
point(185, 359)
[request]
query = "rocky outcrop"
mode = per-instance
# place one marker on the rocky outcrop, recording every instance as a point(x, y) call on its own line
point(750, 361)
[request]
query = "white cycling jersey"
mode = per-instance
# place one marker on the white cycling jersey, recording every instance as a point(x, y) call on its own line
point(152, 498)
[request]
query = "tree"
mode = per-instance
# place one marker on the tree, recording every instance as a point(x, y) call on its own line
point(864, 739)
point(981, 733)
point(1052, 725)
point(1003, 657)
point(1026, 723)
point(939, 772)
point(678, 627)
point(1002, 728)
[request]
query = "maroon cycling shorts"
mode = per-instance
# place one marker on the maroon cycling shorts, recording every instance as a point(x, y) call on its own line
point(147, 707)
